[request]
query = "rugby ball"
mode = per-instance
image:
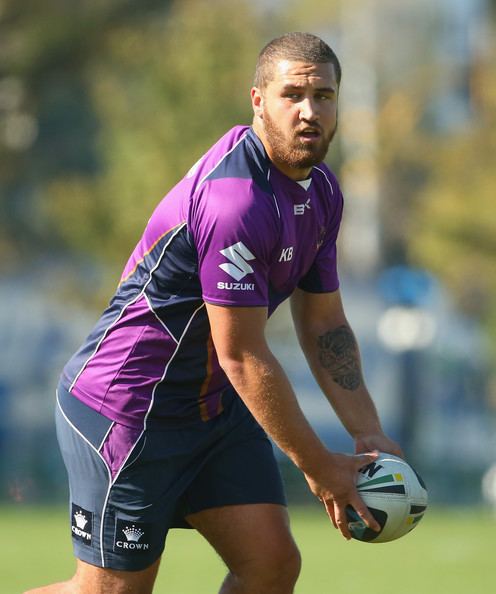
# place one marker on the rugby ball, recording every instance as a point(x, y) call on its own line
point(396, 496)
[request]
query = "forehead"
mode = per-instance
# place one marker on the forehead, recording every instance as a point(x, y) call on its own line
point(287, 72)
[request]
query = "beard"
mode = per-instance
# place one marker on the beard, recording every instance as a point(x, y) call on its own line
point(292, 151)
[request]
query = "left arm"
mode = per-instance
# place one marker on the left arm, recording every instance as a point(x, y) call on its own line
point(332, 353)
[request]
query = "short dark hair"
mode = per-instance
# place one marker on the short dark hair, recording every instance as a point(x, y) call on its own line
point(297, 47)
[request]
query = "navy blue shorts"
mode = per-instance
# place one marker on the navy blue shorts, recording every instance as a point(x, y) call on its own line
point(129, 487)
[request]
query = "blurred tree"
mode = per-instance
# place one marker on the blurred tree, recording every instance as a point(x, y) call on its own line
point(436, 126)
point(163, 92)
point(104, 105)
point(48, 125)
point(122, 102)
point(454, 227)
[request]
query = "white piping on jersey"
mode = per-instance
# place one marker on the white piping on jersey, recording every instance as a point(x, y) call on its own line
point(124, 462)
point(104, 335)
point(186, 328)
point(327, 179)
point(74, 428)
point(109, 471)
point(105, 436)
point(221, 159)
point(160, 321)
point(111, 484)
point(128, 462)
point(274, 196)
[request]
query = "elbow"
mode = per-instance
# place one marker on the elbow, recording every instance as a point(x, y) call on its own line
point(246, 364)
point(233, 366)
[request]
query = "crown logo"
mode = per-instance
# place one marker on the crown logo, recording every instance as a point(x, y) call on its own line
point(132, 533)
point(80, 519)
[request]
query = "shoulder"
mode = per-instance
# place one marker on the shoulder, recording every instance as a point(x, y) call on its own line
point(228, 209)
point(234, 156)
point(327, 180)
point(234, 188)
point(216, 154)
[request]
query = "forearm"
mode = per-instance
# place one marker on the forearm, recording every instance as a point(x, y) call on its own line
point(335, 361)
point(243, 353)
point(262, 384)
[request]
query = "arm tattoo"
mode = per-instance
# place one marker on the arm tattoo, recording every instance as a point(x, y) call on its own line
point(338, 353)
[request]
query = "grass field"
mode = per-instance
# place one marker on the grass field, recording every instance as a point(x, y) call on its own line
point(451, 552)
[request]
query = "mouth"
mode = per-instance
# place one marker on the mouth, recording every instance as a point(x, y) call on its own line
point(309, 134)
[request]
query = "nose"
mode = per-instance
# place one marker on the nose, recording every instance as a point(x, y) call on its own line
point(308, 110)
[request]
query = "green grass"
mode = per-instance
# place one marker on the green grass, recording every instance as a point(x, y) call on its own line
point(451, 552)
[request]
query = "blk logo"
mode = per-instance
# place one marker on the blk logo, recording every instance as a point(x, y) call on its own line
point(299, 209)
point(238, 256)
point(81, 524)
point(371, 469)
point(321, 238)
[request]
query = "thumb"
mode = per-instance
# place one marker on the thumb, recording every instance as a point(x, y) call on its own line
point(362, 460)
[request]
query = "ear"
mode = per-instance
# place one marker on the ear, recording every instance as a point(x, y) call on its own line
point(257, 102)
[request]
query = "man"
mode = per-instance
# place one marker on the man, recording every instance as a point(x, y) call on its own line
point(162, 413)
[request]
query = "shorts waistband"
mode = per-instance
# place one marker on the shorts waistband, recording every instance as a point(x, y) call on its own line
point(89, 422)
point(93, 423)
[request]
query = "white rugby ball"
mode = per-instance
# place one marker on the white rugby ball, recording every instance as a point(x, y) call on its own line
point(396, 496)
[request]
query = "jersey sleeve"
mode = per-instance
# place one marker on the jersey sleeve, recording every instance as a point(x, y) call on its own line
point(322, 277)
point(234, 228)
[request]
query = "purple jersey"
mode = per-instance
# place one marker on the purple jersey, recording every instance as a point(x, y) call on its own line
point(234, 231)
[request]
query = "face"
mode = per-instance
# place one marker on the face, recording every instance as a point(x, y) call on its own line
point(296, 115)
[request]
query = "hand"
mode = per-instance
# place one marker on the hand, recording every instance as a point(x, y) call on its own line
point(335, 486)
point(377, 441)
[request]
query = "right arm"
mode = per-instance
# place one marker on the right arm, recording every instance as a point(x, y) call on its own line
point(239, 338)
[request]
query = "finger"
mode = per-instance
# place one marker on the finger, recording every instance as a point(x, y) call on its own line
point(363, 511)
point(342, 521)
point(329, 506)
point(362, 460)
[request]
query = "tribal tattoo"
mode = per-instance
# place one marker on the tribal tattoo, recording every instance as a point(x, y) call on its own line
point(338, 354)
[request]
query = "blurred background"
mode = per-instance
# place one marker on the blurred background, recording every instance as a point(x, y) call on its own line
point(105, 104)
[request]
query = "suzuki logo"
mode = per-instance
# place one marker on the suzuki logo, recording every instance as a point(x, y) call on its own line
point(238, 254)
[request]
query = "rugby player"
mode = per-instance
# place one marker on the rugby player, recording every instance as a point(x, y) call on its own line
point(163, 413)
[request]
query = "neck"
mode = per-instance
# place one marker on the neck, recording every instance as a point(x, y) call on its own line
point(296, 174)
